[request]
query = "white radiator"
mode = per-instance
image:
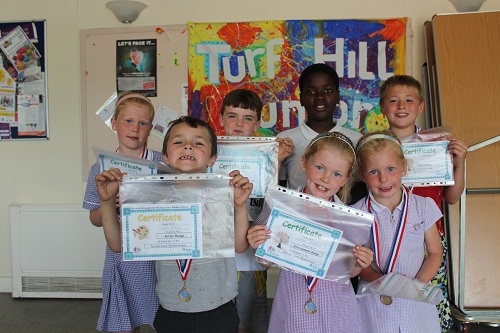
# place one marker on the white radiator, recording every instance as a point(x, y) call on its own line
point(56, 252)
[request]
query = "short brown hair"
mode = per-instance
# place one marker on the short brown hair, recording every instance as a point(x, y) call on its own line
point(193, 123)
point(244, 99)
point(400, 80)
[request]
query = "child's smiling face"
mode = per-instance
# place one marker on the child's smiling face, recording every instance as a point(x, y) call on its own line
point(188, 149)
point(319, 97)
point(402, 105)
point(383, 172)
point(326, 172)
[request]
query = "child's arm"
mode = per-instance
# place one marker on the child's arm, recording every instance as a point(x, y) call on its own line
point(458, 149)
point(364, 257)
point(242, 190)
point(285, 148)
point(108, 183)
point(434, 256)
point(369, 274)
point(95, 215)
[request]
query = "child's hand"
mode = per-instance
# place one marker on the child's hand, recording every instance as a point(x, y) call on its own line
point(242, 187)
point(458, 150)
point(363, 255)
point(285, 148)
point(108, 183)
point(257, 235)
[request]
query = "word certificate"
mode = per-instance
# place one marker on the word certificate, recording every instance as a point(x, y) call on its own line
point(132, 166)
point(299, 244)
point(429, 163)
point(161, 231)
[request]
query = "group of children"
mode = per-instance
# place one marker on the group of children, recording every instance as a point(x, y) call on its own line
point(319, 158)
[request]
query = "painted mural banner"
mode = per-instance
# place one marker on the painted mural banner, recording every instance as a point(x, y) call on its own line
point(268, 57)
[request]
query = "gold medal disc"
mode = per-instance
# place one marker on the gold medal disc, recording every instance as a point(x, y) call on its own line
point(387, 300)
point(184, 294)
point(310, 306)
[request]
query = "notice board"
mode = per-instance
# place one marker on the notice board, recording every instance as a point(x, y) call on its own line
point(99, 68)
point(23, 80)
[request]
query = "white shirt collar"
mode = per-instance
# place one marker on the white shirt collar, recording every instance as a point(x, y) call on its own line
point(379, 207)
point(310, 134)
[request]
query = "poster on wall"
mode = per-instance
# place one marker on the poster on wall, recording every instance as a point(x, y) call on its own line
point(23, 81)
point(136, 66)
point(268, 57)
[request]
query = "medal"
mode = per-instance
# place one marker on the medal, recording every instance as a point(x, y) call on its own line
point(184, 294)
point(398, 237)
point(386, 300)
point(310, 306)
point(396, 244)
point(184, 266)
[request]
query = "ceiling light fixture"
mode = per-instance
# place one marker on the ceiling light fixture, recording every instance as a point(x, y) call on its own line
point(126, 11)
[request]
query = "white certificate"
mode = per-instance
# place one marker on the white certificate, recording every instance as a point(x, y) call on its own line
point(255, 158)
point(130, 165)
point(161, 231)
point(300, 245)
point(429, 163)
point(167, 195)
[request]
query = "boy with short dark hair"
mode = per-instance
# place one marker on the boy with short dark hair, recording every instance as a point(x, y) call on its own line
point(190, 146)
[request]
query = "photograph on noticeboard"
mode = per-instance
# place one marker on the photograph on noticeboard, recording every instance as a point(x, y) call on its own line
point(136, 66)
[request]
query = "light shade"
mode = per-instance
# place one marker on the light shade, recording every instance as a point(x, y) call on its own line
point(467, 5)
point(126, 11)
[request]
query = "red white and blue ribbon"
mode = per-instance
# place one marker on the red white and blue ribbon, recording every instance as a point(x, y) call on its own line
point(398, 238)
point(311, 282)
point(184, 266)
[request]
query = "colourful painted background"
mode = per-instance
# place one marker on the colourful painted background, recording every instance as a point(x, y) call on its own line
point(356, 48)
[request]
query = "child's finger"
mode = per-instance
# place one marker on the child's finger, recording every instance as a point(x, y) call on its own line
point(240, 182)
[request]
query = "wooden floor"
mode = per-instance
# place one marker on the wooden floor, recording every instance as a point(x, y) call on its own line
point(36, 315)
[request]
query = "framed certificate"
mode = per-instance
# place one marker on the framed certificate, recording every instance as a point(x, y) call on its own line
point(429, 164)
point(255, 157)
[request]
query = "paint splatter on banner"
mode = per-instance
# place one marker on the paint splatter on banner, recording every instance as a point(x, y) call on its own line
point(268, 57)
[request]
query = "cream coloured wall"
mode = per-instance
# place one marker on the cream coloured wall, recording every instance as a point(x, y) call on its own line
point(49, 172)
